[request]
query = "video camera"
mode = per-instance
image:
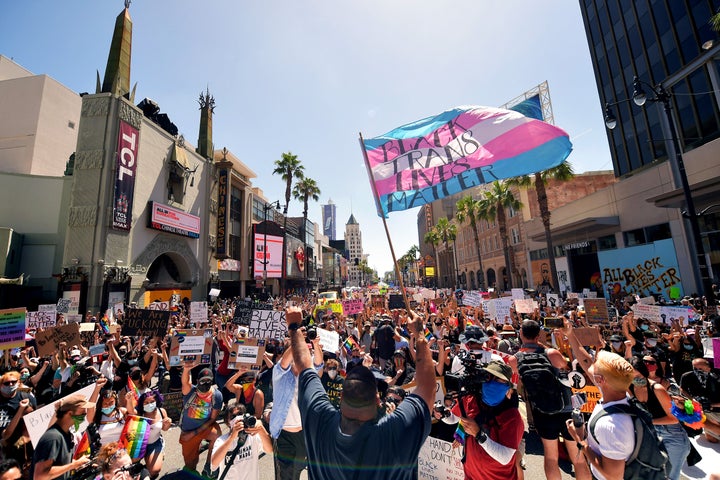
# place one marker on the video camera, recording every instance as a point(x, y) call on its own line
point(471, 380)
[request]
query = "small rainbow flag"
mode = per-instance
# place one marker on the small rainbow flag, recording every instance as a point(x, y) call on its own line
point(132, 388)
point(105, 324)
point(83, 447)
point(469, 321)
point(349, 344)
point(460, 433)
point(428, 334)
point(135, 435)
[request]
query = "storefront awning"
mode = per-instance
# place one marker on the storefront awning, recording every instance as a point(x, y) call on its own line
point(704, 194)
point(594, 225)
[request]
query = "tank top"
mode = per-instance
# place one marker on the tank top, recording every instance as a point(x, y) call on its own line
point(110, 428)
point(652, 404)
point(155, 430)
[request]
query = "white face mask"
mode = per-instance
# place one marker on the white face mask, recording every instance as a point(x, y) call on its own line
point(332, 373)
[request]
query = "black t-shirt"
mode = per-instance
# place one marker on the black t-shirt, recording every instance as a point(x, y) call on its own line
point(701, 384)
point(385, 341)
point(54, 445)
point(10, 406)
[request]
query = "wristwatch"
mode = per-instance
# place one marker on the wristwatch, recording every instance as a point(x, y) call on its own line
point(481, 437)
point(580, 446)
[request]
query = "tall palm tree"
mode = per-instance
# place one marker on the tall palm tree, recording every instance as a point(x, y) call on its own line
point(493, 206)
point(470, 209)
point(306, 189)
point(539, 180)
point(443, 232)
point(289, 168)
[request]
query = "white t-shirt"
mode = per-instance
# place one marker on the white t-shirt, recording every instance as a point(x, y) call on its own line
point(614, 435)
point(245, 464)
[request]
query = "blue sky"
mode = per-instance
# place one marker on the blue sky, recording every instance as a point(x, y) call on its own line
point(308, 76)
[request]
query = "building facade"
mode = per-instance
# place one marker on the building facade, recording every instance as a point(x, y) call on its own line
point(329, 220)
point(353, 244)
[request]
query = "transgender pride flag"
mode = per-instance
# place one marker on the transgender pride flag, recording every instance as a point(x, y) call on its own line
point(461, 148)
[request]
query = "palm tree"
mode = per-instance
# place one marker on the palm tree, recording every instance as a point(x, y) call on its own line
point(469, 209)
point(493, 206)
point(444, 231)
point(563, 173)
point(289, 168)
point(304, 190)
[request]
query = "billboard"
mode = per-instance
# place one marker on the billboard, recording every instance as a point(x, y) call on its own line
point(328, 217)
point(641, 270)
point(221, 242)
point(172, 220)
point(126, 168)
point(295, 258)
point(267, 258)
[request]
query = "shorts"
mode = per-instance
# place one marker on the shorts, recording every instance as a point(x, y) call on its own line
point(550, 427)
point(156, 447)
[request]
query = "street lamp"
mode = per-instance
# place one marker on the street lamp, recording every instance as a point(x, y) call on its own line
point(265, 261)
point(639, 97)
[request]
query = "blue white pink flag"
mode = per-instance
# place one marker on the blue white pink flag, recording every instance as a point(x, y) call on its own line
point(461, 148)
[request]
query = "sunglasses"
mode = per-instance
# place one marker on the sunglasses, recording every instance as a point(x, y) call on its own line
point(10, 383)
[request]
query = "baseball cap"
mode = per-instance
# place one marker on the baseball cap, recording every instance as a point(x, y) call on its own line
point(75, 353)
point(71, 402)
point(473, 333)
point(359, 387)
point(499, 369)
point(616, 338)
point(205, 374)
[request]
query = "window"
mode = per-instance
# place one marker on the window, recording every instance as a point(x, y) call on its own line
point(511, 212)
point(634, 237)
point(645, 235)
point(607, 242)
point(515, 236)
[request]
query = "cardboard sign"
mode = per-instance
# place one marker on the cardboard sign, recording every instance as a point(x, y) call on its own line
point(74, 318)
point(588, 336)
point(243, 313)
point(396, 301)
point(593, 397)
point(37, 422)
point(173, 404)
point(268, 324)
point(330, 341)
point(351, 307)
point(48, 341)
point(191, 343)
point(439, 460)
point(525, 305)
point(247, 352)
point(40, 319)
point(198, 312)
point(596, 310)
point(12, 328)
point(165, 306)
point(139, 321)
point(63, 305)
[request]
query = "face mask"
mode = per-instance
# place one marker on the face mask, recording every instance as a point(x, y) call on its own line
point(616, 345)
point(651, 368)
point(204, 387)
point(652, 342)
point(150, 407)
point(108, 410)
point(9, 390)
point(494, 392)
point(77, 420)
point(332, 373)
point(698, 372)
point(644, 328)
point(24, 377)
point(640, 382)
point(132, 362)
point(688, 346)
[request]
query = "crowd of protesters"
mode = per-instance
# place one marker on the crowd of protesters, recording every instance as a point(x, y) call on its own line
point(362, 408)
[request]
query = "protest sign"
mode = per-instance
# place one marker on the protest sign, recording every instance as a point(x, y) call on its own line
point(500, 308)
point(593, 396)
point(74, 318)
point(439, 460)
point(139, 321)
point(553, 300)
point(517, 293)
point(525, 305)
point(173, 404)
point(351, 307)
point(417, 297)
point(118, 308)
point(681, 314)
point(48, 340)
point(37, 422)
point(243, 312)
point(247, 352)
point(596, 310)
point(12, 328)
point(439, 388)
point(428, 294)
point(472, 299)
point(590, 294)
point(588, 336)
point(330, 341)
point(40, 319)
point(87, 327)
point(268, 324)
point(190, 343)
point(198, 312)
point(573, 295)
point(378, 300)
point(647, 311)
point(647, 300)
point(98, 349)
point(63, 305)
point(396, 300)
point(165, 306)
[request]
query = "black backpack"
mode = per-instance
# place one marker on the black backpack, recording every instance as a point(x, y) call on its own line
point(541, 380)
point(649, 459)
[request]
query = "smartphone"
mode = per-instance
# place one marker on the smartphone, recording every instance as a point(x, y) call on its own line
point(578, 400)
point(554, 322)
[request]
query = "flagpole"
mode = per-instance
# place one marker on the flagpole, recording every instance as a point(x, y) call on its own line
point(387, 232)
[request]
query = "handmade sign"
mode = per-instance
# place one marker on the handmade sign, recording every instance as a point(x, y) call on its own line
point(37, 422)
point(268, 324)
point(517, 293)
point(596, 310)
point(198, 312)
point(353, 306)
point(330, 341)
point(439, 460)
point(63, 305)
point(588, 336)
point(40, 319)
point(247, 352)
point(525, 305)
point(592, 393)
point(243, 312)
point(139, 321)
point(159, 306)
point(396, 301)
point(12, 328)
point(647, 311)
point(173, 404)
point(191, 343)
point(48, 340)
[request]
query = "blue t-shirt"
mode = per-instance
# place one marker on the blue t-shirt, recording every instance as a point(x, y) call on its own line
point(198, 409)
point(386, 450)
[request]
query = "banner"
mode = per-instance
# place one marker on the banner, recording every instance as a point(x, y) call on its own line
point(439, 156)
point(144, 322)
point(682, 314)
point(351, 307)
point(48, 341)
point(198, 312)
point(37, 422)
point(268, 324)
point(172, 220)
point(126, 167)
point(439, 460)
point(12, 328)
point(268, 248)
point(221, 231)
point(596, 310)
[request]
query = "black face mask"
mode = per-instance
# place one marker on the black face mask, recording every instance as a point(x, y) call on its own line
point(204, 387)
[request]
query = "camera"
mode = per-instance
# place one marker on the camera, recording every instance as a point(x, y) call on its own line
point(577, 401)
point(311, 333)
point(440, 408)
point(554, 322)
point(249, 421)
point(473, 377)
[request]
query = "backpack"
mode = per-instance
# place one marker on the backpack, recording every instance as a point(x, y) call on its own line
point(541, 380)
point(649, 459)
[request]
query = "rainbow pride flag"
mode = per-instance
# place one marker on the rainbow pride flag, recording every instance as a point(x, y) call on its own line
point(248, 392)
point(135, 435)
point(105, 324)
point(428, 334)
point(132, 388)
point(83, 447)
point(461, 148)
point(469, 322)
point(460, 433)
point(349, 344)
